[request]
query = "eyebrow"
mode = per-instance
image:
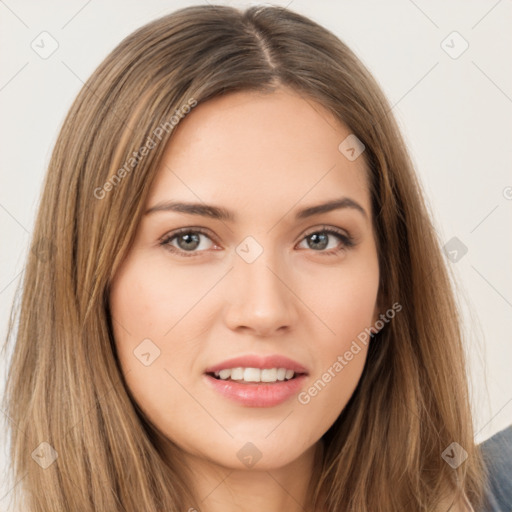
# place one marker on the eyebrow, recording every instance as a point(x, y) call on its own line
point(220, 213)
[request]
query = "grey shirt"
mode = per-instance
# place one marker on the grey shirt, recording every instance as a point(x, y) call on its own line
point(497, 453)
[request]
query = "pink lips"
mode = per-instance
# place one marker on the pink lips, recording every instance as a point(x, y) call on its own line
point(254, 361)
point(258, 394)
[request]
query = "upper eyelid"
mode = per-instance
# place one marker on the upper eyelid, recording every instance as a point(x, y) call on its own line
point(179, 231)
point(326, 227)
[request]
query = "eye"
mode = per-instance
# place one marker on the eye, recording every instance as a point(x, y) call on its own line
point(187, 241)
point(319, 240)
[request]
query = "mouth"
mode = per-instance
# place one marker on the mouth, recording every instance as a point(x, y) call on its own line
point(255, 387)
point(255, 380)
point(260, 376)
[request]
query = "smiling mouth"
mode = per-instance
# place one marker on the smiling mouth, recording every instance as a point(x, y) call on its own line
point(255, 375)
point(256, 387)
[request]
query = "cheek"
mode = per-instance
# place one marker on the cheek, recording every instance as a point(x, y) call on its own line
point(346, 308)
point(329, 391)
point(344, 302)
point(141, 314)
point(148, 301)
point(154, 337)
point(341, 361)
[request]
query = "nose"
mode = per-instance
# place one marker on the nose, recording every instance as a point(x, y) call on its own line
point(260, 297)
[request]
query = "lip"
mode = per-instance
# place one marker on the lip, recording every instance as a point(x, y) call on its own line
point(257, 394)
point(257, 361)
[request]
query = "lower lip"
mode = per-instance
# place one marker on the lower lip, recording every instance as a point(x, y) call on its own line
point(257, 394)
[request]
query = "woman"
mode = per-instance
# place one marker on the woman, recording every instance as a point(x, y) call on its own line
point(253, 368)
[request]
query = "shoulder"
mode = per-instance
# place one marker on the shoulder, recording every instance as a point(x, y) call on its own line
point(497, 455)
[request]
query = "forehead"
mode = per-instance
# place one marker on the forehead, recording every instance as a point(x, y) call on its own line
point(252, 150)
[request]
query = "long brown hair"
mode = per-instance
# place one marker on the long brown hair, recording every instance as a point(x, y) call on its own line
point(65, 387)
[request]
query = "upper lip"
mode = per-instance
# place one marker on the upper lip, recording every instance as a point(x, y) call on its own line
point(258, 361)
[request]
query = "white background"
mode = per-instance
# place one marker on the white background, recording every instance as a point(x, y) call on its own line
point(455, 113)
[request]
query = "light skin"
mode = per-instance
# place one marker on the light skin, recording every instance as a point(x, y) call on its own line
point(264, 157)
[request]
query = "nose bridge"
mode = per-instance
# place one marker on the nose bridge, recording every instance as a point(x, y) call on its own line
point(257, 264)
point(260, 295)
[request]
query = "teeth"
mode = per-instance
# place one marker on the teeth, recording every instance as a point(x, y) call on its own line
point(225, 374)
point(252, 375)
point(269, 375)
point(255, 374)
point(237, 374)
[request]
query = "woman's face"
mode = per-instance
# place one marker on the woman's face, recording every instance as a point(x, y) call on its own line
point(272, 280)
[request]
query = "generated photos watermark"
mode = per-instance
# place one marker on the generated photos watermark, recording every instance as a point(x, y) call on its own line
point(363, 337)
point(115, 179)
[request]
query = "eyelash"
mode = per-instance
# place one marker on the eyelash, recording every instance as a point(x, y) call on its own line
point(347, 240)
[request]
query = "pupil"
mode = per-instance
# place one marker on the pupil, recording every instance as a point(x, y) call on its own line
point(315, 236)
point(189, 236)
